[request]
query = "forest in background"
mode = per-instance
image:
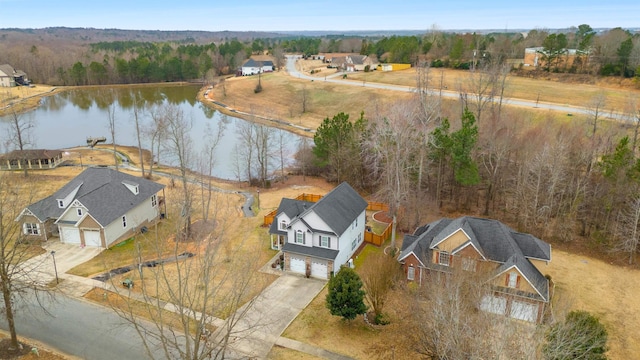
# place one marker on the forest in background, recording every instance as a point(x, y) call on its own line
point(66, 56)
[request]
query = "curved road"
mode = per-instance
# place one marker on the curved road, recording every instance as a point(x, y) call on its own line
point(291, 69)
point(80, 328)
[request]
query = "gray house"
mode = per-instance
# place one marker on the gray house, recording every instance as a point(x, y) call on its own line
point(318, 238)
point(99, 207)
point(511, 260)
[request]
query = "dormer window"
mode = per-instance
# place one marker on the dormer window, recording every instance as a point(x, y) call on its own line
point(513, 279)
point(283, 225)
point(133, 187)
point(79, 210)
point(61, 203)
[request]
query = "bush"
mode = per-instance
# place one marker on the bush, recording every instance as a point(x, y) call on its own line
point(580, 336)
point(346, 297)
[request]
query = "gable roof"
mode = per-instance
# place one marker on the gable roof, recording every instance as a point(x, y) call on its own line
point(7, 70)
point(339, 208)
point(251, 63)
point(495, 241)
point(101, 191)
point(291, 208)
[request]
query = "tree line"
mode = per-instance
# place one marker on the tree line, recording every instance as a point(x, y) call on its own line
point(559, 181)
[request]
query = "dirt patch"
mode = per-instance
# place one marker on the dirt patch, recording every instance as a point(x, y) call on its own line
point(27, 352)
point(383, 217)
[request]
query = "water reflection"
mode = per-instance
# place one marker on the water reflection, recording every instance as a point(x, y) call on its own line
point(66, 119)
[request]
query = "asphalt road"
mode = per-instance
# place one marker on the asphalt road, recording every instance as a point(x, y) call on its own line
point(80, 329)
point(291, 69)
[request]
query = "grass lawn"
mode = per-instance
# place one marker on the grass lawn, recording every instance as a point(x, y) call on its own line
point(280, 353)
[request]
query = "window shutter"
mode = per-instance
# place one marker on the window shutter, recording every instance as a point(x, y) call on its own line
point(38, 228)
point(304, 238)
point(518, 281)
point(506, 280)
point(24, 228)
point(450, 260)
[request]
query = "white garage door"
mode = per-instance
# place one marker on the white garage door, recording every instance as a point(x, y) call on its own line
point(296, 265)
point(92, 238)
point(494, 304)
point(70, 235)
point(319, 269)
point(524, 311)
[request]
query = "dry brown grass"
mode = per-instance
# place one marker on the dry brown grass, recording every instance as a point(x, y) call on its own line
point(281, 98)
point(608, 291)
point(576, 94)
point(280, 353)
point(127, 305)
point(23, 97)
point(44, 351)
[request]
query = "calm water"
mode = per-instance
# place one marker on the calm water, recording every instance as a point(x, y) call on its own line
point(67, 119)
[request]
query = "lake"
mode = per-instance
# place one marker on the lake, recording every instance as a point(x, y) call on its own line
point(66, 119)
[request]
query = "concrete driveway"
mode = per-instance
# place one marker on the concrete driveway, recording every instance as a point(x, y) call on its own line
point(274, 309)
point(67, 256)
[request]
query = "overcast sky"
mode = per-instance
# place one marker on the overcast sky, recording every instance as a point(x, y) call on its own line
point(287, 15)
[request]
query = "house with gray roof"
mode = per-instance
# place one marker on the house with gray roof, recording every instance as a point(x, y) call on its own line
point(100, 207)
point(10, 77)
point(39, 159)
point(318, 238)
point(512, 260)
point(254, 67)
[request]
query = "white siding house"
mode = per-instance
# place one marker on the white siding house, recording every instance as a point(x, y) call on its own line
point(253, 67)
point(318, 238)
point(99, 207)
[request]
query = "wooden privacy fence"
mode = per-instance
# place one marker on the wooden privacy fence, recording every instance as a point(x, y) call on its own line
point(371, 238)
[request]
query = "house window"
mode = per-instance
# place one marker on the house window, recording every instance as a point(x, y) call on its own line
point(79, 211)
point(31, 229)
point(154, 201)
point(354, 243)
point(468, 264)
point(512, 280)
point(299, 237)
point(411, 273)
point(283, 225)
point(124, 221)
point(325, 241)
point(61, 204)
point(443, 258)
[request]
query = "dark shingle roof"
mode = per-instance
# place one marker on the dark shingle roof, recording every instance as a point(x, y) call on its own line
point(31, 154)
point(291, 208)
point(251, 63)
point(495, 240)
point(102, 192)
point(312, 251)
point(339, 208)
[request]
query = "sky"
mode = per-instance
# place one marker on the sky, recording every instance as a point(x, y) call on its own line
point(288, 15)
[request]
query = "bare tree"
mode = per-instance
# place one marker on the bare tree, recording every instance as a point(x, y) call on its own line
point(18, 277)
point(378, 276)
point(595, 107)
point(207, 162)
point(136, 110)
point(111, 119)
point(629, 233)
point(390, 145)
point(19, 134)
point(179, 145)
point(446, 323)
point(304, 99)
point(210, 290)
point(156, 132)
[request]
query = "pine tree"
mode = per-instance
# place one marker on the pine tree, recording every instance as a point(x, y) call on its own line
point(346, 297)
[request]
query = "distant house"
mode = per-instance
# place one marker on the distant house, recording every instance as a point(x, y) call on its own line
point(353, 63)
point(100, 207)
point(512, 260)
point(10, 77)
point(31, 159)
point(253, 67)
point(318, 238)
